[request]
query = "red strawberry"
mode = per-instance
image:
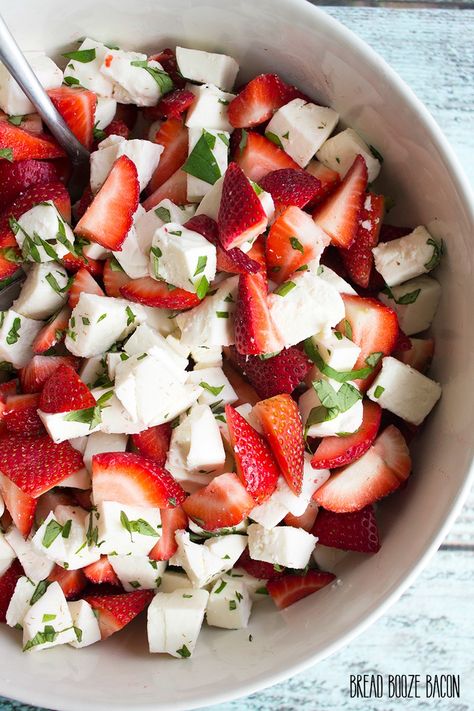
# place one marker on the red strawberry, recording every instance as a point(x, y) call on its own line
point(390, 232)
point(259, 99)
point(282, 426)
point(29, 122)
point(354, 531)
point(109, 217)
point(83, 498)
point(167, 59)
point(17, 177)
point(36, 464)
point(255, 464)
point(74, 262)
point(153, 443)
point(127, 114)
point(339, 214)
point(294, 239)
point(101, 572)
point(222, 503)
point(306, 520)
point(242, 387)
point(337, 451)
point(8, 388)
point(419, 356)
point(171, 520)
point(329, 179)
point(255, 332)
point(53, 331)
point(65, 391)
point(83, 282)
point(291, 186)
point(150, 292)
point(83, 202)
point(174, 188)
point(280, 374)
point(20, 506)
point(114, 278)
point(72, 582)
point(358, 258)
point(174, 104)
point(8, 583)
point(258, 156)
point(48, 501)
point(117, 127)
point(403, 342)
point(173, 136)
point(258, 568)
point(133, 479)
point(77, 107)
point(241, 215)
point(20, 414)
point(25, 145)
point(116, 611)
point(9, 268)
point(381, 470)
point(291, 588)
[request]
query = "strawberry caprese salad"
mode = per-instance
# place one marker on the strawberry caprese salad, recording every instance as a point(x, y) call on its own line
point(213, 368)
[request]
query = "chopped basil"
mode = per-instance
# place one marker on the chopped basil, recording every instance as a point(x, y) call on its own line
point(187, 596)
point(214, 390)
point(178, 233)
point(130, 316)
point(232, 605)
point(296, 244)
point(286, 135)
point(157, 253)
point(40, 590)
point(104, 399)
point(221, 587)
point(224, 139)
point(14, 333)
point(267, 356)
point(285, 288)
point(338, 335)
point(202, 287)
point(274, 138)
point(78, 633)
point(378, 391)
point(229, 299)
point(341, 376)
point(201, 265)
point(261, 591)
point(99, 134)
point(373, 359)
point(15, 120)
point(438, 251)
point(115, 265)
point(85, 321)
point(183, 652)
point(348, 329)
point(376, 153)
point(101, 318)
point(52, 281)
point(408, 298)
point(66, 529)
point(163, 79)
point(333, 402)
point(48, 618)
point(71, 81)
point(62, 238)
point(222, 314)
point(7, 154)
point(172, 501)
point(84, 56)
point(89, 415)
point(11, 254)
point(223, 101)
point(163, 213)
point(48, 634)
point(243, 140)
point(134, 583)
point(238, 595)
point(139, 526)
point(278, 568)
point(201, 162)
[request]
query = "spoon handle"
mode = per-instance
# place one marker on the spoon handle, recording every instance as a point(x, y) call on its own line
point(12, 57)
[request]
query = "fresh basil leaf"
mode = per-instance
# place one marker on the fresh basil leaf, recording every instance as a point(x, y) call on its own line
point(7, 154)
point(201, 162)
point(274, 138)
point(115, 265)
point(143, 527)
point(11, 254)
point(202, 287)
point(71, 81)
point(373, 359)
point(326, 393)
point(39, 591)
point(296, 244)
point(52, 531)
point(14, 333)
point(84, 56)
point(347, 396)
point(183, 652)
point(438, 251)
point(163, 213)
point(164, 81)
point(51, 279)
point(285, 288)
point(201, 265)
point(379, 390)
point(213, 389)
point(130, 316)
point(222, 314)
point(224, 138)
point(341, 376)
point(15, 120)
point(48, 634)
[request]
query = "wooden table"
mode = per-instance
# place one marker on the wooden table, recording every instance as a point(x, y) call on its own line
point(431, 628)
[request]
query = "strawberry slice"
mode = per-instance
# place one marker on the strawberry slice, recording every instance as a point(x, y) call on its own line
point(241, 215)
point(291, 186)
point(294, 240)
point(20, 506)
point(115, 611)
point(150, 292)
point(173, 136)
point(114, 278)
point(281, 373)
point(8, 388)
point(118, 127)
point(258, 568)
point(282, 426)
point(175, 189)
point(154, 443)
point(17, 177)
point(290, 588)
point(306, 520)
point(36, 464)
point(47, 502)
point(8, 583)
point(52, 332)
point(174, 104)
point(255, 464)
point(255, 331)
point(72, 582)
point(101, 572)
point(74, 262)
point(259, 99)
point(83, 497)
point(245, 392)
point(358, 258)
point(354, 531)
point(24, 144)
point(258, 156)
point(419, 355)
point(167, 59)
point(339, 214)
point(77, 107)
point(21, 416)
point(328, 179)
point(381, 470)
point(64, 391)
point(338, 451)
point(83, 282)
point(109, 217)
point(223, 502)
point(10, 259)
point(172, 520)
point(83, 202)
point(133, 479)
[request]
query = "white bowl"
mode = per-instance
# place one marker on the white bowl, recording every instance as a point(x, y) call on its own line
point(331, 64)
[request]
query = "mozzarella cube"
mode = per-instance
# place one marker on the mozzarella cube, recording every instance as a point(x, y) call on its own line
point(229, 605)
point(336, 350)
point(92, 369)
point(113, 359)
point(60, 428)
point(87, 73)
point(160, 319)
point(166, 211)
point(48, 621)
point(327, 558)
point(404, 391)
point(137, 571)
point(133, 261)
point(209, 108)
point(348, 421)
point(115, 419)
point(100, 442)
point(216, 387)
point(207, 67)
point(330, 276)
point(17, 334)
point(181, 348)
point(211, 201)
point(205, 563)
point(43, 291)
point(283, 545)
point(415, 303)
point(228, 548)
point(127, 530)
point(85, 624)
point(407, 257)
point(176, 464)
point(171, 581)
point(133, 77)
point(198, 437)
point(256, 587)
point(7, 554)
point(211, 323)
point(145, 155)
point(20, 601)
point(206, 357)
point(42, 234)
point(94, 250)
point(104, 112)
point(12, 99)
point(217, 143)
point(174, 621)
point(79, 444)
point(35, 564)
point(64, 537)
point(146, 339)
point(340, 151)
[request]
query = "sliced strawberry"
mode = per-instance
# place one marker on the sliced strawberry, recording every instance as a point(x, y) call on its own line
point(245, 392)
point(290, 588)
point(338, 451)
point(167, 59)
point(133, 479)
point(222, 503)
point(127, 114)
point(153, 443)
point(255, 332)
point(10, 259)
point(291, 186)
point(25, 145)
point(74, 262)
point(339, 214)
point(64, 391)
point(115, 611)
point(282, 426)
point(114, 278)
point(259, 99)
point(255, 464)
point(306, 520)
point(83, 202)
point(21, 416)
point(17, 177)
point(172, 520)
point(8, 388)
point(294, 240)
point(403, 342)
point(328, 179)
point(258, 568)
point(390, 232)
point(83, 282)
point(83, 498)
point(173, 136)
point(241, 215)
point(354, 531)
point(150, 292)
point(117, 127)
point(419, 355)
point(20, 506)
point(174, 188)
point(258, 156)
point(174, 104)
point(8, 583)
point(109, 217)
point(281, 373)
point(72, 582)
point(101, 572)
point(381, 470)
point(358, 258)
point(77, 107)
point(52, 332)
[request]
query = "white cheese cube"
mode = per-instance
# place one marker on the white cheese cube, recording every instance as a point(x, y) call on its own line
point(127, 530)
point(330, 276)
point(181, 348)
point(20, 601)
point(228, 548)
point(63, 537)
point(407, 257)
point(113, 359)
point(218, 143)
point(256, 587)
point(79, 444)
point(336, 350)
point(404, 391)
point(133, 261)
point(132, 80)
point(160, 319)
point(137, 571)
point(48, 541)
point(174, 621)
point(172, 580)
point(283, 545)
point(7, 554)
point(415, 303)
point(48, 621)
point(199, 439)
point(36, 565)
point(17, 334)
point(94, 250)
point(211, 201)
point(115, 419)
point(176, 464)
point(207, 67)
point(104, 112)
point(270, 513)
point(87, 73)
point(147, 339)
point(206, 357)
point(12, 99)
point(37, 231)
point(216, 387)
point(238, 528)
point(205, 563)
point(182, 257)
point(100, 442)
point(166, 211)
point(85, 624)
point(145, 155)
point(327, 558)
point(92, 369)
point(301, 128)
point(43, 291)
point(340, 151)
point(348, 421)
point(211, 323)
point(60, 428)
point(229, 605)
point(209, 108)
